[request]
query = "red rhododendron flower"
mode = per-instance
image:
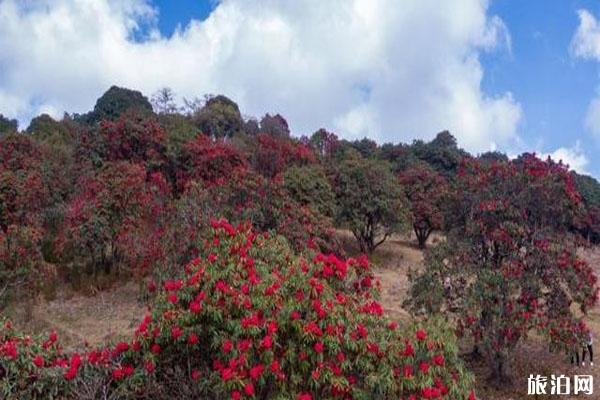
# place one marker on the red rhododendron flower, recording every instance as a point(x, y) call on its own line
point(176, 332)
point(256, 371)
point(319, 347)
point(195, 307)
point(38, 361)
point(438, 359)
point(195, 374)
point(424, 367)
point(304, 396)
point(192, 339)
point(421, 335)
point(227, 346)
point(249, 389)
point(149, 366)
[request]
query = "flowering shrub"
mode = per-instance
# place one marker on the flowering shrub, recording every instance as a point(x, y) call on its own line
point(132, 137)
point(249, 318)
point(110, 212)
point(426, 191)
point(509, 265)
point(273, 155)
point(209, 162)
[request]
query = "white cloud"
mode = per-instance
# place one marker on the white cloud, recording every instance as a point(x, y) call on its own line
point(574, 157)
point(361, 67)
point(586, 44)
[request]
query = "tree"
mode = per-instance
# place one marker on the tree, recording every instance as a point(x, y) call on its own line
point(8, 125)
point(442, 153)
point(271, 155)
point(114, 103)
point(589, 224)
point(309, 186)
point(24, 194)
point(274, 125)
point(110, 204)
point(208, 162)
point(325, 143)
point(492, 156)
point(219, 118)
point(370, 202)
point(132, 137)
point(426, 191)
point(509, 264)
point(251, 127)
point(163, 101)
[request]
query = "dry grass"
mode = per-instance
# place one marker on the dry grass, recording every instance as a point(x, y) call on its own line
point(94, 320)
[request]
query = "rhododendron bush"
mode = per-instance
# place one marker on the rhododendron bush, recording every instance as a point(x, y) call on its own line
point(426, 191)
point(248, 318)
point(510, 265)
point(113, 208)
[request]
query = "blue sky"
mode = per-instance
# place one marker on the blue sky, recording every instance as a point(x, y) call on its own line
point(554, 89)
point(510, 75)
point(179, 13)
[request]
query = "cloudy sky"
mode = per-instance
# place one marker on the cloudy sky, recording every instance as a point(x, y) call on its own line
point(508, 75)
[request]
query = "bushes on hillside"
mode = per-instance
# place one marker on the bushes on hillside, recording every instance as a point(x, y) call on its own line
point(248, 318)
point(509, 265)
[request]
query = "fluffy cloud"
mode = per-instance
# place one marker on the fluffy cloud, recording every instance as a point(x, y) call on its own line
point(361, 67)
point(573, 156)
point(586, 44)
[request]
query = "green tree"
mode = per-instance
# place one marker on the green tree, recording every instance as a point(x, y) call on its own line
point(220, 117)
point(370, 202)
point(114, 103)
point(442, 153)
point(308, 185)
point(274, 125)
point(8, 125)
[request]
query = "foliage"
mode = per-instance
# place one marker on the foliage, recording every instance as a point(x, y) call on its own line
point(272, 155)
point(509, 265)
point(370, 202)
point(426, 191)
point(219, 118)
point(8, 125)
point(209, 162)
point(244, 321)
point(442, 153)
point(131, 137)
point(109, 206)
point(308, 185)
point(25, 192)
point(274, 125)
point(115, 102)
point(326, 144)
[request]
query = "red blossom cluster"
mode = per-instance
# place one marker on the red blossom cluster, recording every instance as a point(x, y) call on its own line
point(245, 319)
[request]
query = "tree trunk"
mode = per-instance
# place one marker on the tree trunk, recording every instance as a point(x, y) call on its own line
point(500, 374)
point(422, 236)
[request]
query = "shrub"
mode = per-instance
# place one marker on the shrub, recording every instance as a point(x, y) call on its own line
point(426, 191)
point(509, 265)
point(249, 318)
